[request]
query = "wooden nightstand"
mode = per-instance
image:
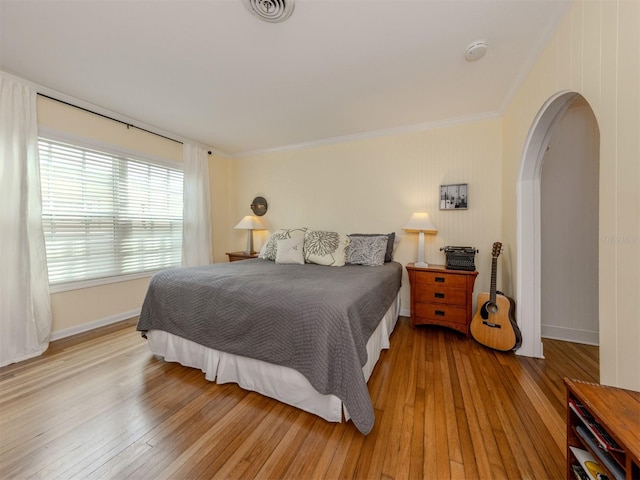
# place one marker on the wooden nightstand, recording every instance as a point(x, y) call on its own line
point(235, 256)
point(441, 297)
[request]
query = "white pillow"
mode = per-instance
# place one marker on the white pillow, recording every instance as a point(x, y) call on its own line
point(290, 250)
point(325, 248)
point(271, 246)
point(369, 251)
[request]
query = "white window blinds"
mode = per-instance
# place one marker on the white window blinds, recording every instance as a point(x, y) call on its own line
point(106, 215)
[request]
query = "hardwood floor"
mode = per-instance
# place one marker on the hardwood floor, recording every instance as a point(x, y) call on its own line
point(99, 405)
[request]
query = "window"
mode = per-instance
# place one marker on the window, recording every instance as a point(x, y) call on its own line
point(107, 215)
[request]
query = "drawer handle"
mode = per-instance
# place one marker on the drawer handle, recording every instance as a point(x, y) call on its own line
point(438, 295)
point(439, 313)
point(440, 279)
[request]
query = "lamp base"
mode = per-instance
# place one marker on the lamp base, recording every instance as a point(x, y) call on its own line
point(249, 248)
point(421, 262)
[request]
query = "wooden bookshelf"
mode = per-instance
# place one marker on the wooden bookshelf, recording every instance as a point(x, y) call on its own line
point(591, 406)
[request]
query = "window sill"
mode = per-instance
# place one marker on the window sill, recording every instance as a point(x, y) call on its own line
point(96, 282)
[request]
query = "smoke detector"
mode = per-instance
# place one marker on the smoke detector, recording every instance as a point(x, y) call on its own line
point(272, 11)
point(475, 51)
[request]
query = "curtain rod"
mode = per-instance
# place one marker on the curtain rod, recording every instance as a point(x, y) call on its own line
point(129, 125)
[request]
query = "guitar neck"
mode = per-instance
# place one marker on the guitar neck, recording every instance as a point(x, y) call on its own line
point(492, 293)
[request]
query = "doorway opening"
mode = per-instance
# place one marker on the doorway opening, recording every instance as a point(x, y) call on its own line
point(529, 225)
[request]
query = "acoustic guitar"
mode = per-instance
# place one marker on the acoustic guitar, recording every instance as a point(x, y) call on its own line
point(494, 323)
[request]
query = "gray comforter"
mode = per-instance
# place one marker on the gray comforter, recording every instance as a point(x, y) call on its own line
point(312, 318)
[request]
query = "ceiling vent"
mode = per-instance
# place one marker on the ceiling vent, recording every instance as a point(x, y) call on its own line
point(273, 11)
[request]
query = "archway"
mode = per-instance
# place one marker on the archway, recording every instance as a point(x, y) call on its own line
point(528, 295)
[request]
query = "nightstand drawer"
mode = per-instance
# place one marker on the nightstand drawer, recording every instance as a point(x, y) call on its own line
point(438, 294)
point(442, 279)
point(443, 313)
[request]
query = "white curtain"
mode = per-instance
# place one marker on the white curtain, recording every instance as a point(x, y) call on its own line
point(196, 233)
point(25, 305)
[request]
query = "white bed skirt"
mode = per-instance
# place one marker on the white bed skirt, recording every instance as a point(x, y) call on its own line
point(282, 383)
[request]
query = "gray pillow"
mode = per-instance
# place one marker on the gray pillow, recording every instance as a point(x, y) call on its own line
point(392, 238)
point(366, 250)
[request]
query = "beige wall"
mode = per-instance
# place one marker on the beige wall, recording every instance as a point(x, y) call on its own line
point(374, 185)
point(595, 52)
point(68, 119)
point(74, 309)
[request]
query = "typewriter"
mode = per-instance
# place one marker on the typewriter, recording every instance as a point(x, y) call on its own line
point(460, 258)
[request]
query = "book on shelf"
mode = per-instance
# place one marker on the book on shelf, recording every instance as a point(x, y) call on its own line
point(599, 433)
point(579, 472)
point(589, 464)
point(603, 457)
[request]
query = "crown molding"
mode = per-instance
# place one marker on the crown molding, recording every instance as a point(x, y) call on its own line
point(373, 134)
point(249, 153)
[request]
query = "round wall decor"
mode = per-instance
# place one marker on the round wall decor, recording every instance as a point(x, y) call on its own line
point(259, 206)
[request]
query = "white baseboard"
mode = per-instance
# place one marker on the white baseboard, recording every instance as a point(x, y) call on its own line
point(405, 312)
point(571, 335)
point(85, 327)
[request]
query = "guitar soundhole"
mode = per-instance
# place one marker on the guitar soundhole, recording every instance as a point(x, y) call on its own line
point(492, 307)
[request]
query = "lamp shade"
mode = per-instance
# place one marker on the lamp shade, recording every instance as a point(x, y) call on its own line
point(420, 222)
point(250, 222)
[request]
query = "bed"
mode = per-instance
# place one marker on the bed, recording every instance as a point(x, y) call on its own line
point(308, 335)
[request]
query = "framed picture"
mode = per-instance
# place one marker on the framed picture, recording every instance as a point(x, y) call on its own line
point(454, 197)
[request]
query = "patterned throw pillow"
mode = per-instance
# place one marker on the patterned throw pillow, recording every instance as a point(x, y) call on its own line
point(290, 250)
point(367, 250)
point(325, 248)
point(271, 247)
point(390, 244)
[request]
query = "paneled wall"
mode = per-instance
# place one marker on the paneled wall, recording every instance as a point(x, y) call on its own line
point(595, 52)
point(374, 185)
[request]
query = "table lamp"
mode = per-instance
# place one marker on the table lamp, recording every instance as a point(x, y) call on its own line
point(421, 223)
point(250, 223)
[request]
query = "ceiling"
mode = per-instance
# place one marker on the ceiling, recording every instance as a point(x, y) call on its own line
point(211, 72)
